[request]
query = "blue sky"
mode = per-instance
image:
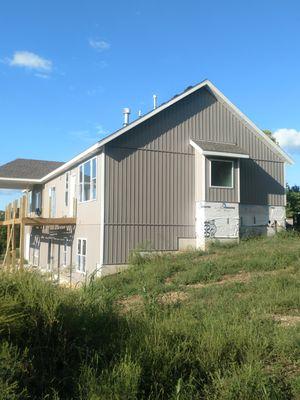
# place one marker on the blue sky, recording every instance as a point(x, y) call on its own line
point(69, 67)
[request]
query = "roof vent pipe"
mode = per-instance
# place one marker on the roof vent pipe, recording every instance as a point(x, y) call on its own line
point(140, 113)
point(126, 112)
point(154, 101)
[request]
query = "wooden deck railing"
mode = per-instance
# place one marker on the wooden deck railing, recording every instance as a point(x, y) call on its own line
point(16, 218)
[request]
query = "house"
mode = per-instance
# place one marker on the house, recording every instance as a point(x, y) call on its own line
point(192, 170)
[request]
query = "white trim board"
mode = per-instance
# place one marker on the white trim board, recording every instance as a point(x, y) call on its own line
point(217, 153)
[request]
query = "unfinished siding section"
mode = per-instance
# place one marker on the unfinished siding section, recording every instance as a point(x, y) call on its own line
point(150, 175)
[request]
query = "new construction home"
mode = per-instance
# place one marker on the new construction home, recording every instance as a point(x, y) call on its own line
point(192, 170)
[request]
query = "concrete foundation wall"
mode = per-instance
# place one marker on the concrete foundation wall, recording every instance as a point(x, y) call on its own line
point(261, 220)
point(231, 221)
point(216, 221)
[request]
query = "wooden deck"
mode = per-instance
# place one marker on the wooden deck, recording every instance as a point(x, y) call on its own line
point(39, 221)
point(16, 218)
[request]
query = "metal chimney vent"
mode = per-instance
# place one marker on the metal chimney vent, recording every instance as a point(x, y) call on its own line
point(126, 113)
point(154, 101)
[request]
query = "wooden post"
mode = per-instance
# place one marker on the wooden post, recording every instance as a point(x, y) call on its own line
point(22, 216)
point(13, 235)
point(8, 232)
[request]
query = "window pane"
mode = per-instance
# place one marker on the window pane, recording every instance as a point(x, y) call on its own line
point(79, 247)
point(87, 181)
point(94, 188)
point(87, 172)
point(94, 168)
point(83, 247)
point(87, 192)
point(83, 263)
point(221, 173)
point(80, 174)
point(81, 192)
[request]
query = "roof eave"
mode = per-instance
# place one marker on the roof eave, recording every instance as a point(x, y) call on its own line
point(18, 183)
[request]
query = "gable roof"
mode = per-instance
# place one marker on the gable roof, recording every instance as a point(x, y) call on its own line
point(23, 173)
point(216, 92)
point(22, 168)
point(206, 83)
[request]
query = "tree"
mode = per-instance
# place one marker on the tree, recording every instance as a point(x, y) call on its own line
point(293, 200)
point(270, 134)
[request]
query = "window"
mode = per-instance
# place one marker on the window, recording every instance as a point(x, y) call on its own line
point(29, 202)
point(38, 203)
point(88, 180)
point(67, 183)
point(221, 173)
point(81, 255)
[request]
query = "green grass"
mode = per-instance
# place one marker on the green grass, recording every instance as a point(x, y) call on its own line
point(117, 338)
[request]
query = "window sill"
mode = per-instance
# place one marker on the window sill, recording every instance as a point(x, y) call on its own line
point(86, 201)
point(221, 187)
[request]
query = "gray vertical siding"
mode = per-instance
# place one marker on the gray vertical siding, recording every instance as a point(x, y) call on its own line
point(150, 201)
point(262, 182)
point(150, 172)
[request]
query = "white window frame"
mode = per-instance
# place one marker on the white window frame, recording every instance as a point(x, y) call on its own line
point(67, 189)
point(80, 256)
point(92, 180)
point(232, 173)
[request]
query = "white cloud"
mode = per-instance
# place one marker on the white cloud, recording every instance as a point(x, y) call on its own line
point(26, 59)
point(288, 138)
point(99, 45)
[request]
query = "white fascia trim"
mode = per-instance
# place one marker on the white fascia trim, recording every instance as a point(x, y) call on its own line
point(20, 180)
point(223, 154)
point(242, 116)
point(196, 147)
point(88, 152)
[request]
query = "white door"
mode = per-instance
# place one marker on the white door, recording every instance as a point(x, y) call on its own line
point(72, 195)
